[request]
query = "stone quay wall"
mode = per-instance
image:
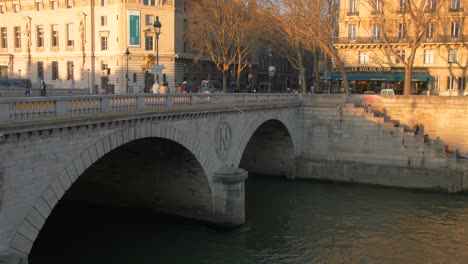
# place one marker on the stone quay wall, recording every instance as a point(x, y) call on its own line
point(339, 141)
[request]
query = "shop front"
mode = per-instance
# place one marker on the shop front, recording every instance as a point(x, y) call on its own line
point(362, 79)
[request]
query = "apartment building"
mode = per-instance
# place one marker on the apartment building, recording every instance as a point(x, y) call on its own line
point(84, 43)
point(377, 36)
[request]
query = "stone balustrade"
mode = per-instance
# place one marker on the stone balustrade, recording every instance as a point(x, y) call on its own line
point(37, 108)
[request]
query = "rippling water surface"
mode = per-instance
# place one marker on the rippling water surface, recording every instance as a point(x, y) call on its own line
point(287, 222)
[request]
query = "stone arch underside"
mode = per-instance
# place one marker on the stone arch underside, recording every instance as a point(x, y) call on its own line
point(33, 222)
point(267, 146)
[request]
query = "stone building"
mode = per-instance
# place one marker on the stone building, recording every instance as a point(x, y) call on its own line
point(83, 44)
point(441, 57)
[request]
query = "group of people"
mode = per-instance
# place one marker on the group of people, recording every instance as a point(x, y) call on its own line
point(42, 87)
point(161, 89)
point(447, 150)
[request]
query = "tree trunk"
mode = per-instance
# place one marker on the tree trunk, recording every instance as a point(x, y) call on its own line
point(316, 68)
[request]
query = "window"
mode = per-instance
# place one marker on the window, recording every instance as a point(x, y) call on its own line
point(149, 20)
point(53, 5)
point(451, 81)
point(452, 56)
point(455, 30)
point(69, 3)
point(428, 56)
point(70, 35)
point(40, 70)
point(55, 75)
point(16, 8)
point(401, 31)
point(103, 21)
point(38, 6)
point(104, 66)
point(431, 5)
point(40, 36)
point(70, 72)
point(2, 9)
point(403, 4)
point(435, 82)
point(462, 83)
point(103, 43)
point(4, 34)
point(353, 7)
point(377, 6)
point(149, 43)
point(401, 56)
point(145, 2)
point(455, 6)
point(55, 36)
point(363, 57)
point(352, 32)
point(104, 2)
point(376, 32)
point(17, 37)
point(430, 31)
point(134, 77)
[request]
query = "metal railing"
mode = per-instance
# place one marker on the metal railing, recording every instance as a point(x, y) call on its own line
point(394, 40)
point(39, 108)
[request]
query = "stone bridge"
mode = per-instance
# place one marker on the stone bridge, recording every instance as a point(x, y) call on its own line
point(176, 154)
point(189, 154)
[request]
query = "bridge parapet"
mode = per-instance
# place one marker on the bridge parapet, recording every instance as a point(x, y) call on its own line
point(36, 108)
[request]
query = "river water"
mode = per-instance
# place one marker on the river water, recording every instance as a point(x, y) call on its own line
point(287, 222)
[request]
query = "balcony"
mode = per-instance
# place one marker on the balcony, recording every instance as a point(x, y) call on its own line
point(456, 9)
point(395, 40)
point(353, 13)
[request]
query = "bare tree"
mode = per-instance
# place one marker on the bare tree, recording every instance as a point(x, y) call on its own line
point(286, 41)
point(404, 27)
point(211, 32)
point(225, 29)
point(315, 23)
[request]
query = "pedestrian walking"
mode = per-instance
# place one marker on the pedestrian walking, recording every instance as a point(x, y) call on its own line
point(43, 89)
point(27, 90)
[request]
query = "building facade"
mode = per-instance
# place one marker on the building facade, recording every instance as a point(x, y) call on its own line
point(376, 35)
point(84, 43)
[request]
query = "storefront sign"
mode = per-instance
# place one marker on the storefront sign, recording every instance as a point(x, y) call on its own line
point(371, 69)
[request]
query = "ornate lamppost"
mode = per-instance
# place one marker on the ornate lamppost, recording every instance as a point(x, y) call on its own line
point(157, 31)
point(127, 54)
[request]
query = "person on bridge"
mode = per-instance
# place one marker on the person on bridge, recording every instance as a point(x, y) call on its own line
point(447, 150)
point(416, 129)
point(155, 87)
point(43, 89)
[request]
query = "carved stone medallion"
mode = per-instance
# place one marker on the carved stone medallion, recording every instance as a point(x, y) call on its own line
point(223, 139)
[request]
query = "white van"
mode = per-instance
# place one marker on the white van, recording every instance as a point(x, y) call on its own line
point(387, 92)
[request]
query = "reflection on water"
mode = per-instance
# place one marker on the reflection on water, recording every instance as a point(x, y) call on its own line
point(287, 222)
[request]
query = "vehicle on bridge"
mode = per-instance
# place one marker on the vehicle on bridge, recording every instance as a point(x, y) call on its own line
point(15, 83)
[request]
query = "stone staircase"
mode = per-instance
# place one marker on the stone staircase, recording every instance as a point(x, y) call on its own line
point(423, 151)
point(369, 138)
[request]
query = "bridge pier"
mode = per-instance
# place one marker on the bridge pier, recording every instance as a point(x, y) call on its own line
point(9, 258)
point(229, 196)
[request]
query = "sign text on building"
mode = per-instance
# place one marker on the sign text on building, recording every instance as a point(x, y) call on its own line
point(371, 69)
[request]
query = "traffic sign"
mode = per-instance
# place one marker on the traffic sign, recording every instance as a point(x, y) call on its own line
point(271, 71)
point(157, 69)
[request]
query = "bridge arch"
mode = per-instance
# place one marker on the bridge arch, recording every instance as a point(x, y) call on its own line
point(35, 219)
point(278, 123)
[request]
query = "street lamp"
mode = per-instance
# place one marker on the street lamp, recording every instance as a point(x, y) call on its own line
point(127, 54)
point(19, 73)
point(269, 72)
point(89, 85)
point(157, 31)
